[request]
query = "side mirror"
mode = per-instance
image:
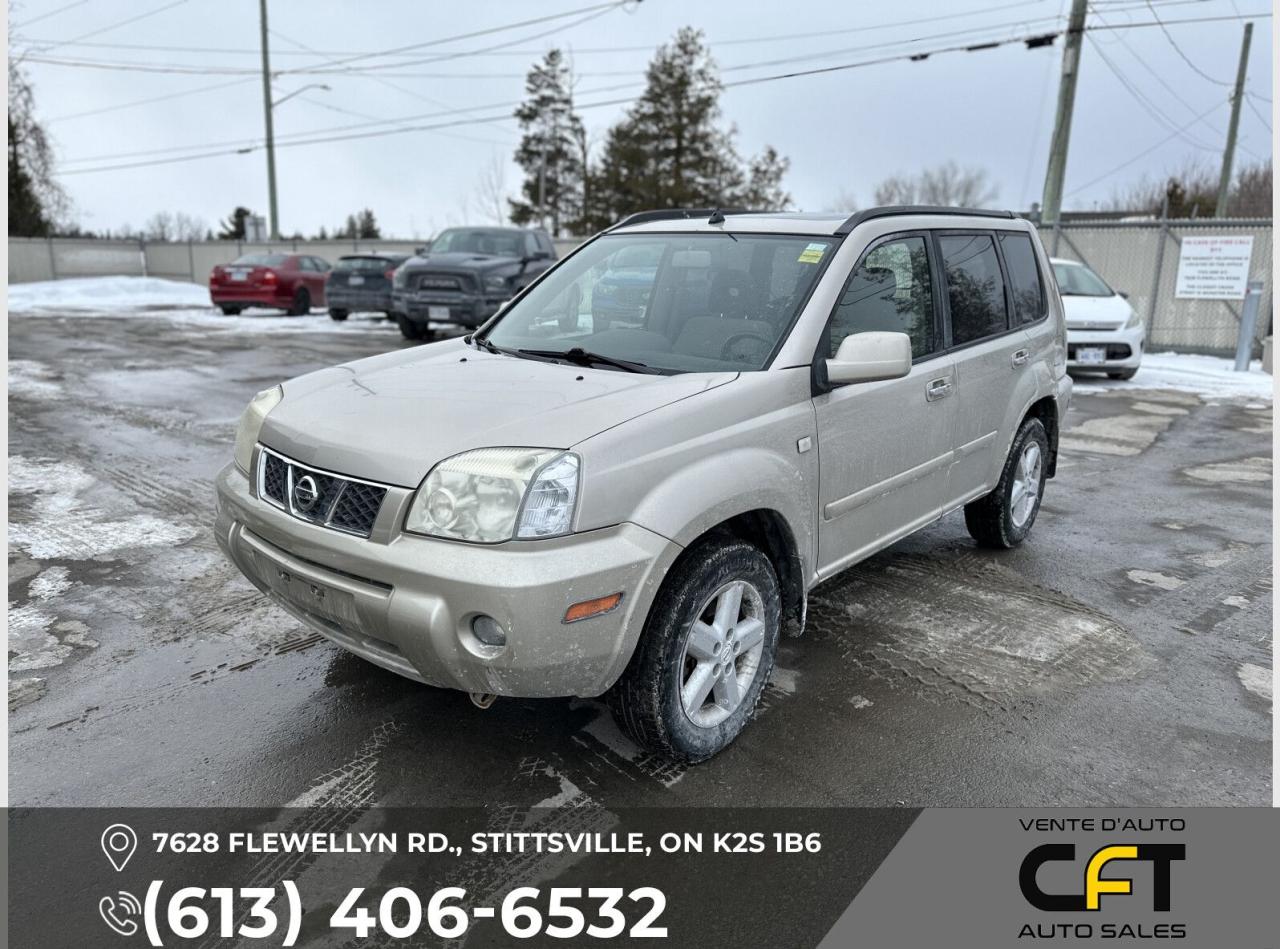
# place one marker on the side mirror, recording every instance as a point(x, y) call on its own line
point(1123, 293)
point(870, 357)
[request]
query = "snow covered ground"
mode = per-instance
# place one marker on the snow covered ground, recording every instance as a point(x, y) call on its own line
point(187, 303)
point(1210, 377)
point(174, 301)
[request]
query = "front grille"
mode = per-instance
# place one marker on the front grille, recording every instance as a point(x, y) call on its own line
point(445, 282)
point(319, 497)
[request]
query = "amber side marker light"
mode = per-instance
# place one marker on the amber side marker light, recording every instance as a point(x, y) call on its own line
point(589, 608)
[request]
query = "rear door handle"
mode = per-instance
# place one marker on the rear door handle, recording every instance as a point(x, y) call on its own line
point(937, 389)
point(1020, 357)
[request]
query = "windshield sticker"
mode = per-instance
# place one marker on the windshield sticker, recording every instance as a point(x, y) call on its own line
point(812, 254)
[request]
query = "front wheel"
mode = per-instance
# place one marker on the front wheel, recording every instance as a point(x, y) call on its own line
point(1003, 518)
point(705, 654)
point(411, 330)
point(230, 310)
point(338, 315)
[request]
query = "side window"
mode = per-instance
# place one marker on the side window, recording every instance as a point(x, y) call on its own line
point(304, 263)
point(1024, 274)
point(975, 288)
point(891, 290)
point(320, 264)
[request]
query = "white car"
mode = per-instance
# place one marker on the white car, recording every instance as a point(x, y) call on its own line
point(1104, 332)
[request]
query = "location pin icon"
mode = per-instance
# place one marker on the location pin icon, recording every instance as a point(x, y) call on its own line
point(118, 843)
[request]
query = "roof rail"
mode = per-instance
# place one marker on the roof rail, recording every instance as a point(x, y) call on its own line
point(672, 214)
point(895, 210)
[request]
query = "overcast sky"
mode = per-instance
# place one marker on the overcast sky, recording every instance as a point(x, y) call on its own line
point(844, 131)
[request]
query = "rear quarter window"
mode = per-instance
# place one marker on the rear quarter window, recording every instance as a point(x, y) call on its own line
point(1024, 275)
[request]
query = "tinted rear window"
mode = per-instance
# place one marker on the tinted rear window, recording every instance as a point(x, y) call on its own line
point(975, 287)
point(367, 264)
point(1024, 274)
point(262, 260)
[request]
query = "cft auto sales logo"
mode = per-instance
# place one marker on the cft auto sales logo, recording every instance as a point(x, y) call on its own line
point(1083, 876)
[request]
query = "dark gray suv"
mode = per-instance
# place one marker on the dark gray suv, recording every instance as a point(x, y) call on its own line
point(466, 275)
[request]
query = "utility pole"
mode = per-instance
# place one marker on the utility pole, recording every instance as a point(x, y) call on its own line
point(1229, 153)
point(271, 137)
point(1052, 203)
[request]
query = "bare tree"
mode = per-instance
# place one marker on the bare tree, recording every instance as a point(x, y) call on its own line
point(159, 227)
point(188, 227)
point(490, 193)
point(947, 185)
point(1192, 191)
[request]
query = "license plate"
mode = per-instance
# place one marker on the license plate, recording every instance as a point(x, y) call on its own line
point(355, 281)
point(1091, 356)
point(240, 275)
point(437, 313)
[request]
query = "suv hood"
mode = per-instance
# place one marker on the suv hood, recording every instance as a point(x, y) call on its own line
point(391, 418)
point(461, 261)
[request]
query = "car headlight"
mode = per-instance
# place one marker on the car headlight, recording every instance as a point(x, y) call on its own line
point(251, 424)
point(400, 279)
point(496, 284)
point(490, 495)
point(1134, 321)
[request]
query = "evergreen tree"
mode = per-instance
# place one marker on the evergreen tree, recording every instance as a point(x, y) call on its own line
point(234, 227)
point(551, 149)
point(670, 152)
point(367, 226)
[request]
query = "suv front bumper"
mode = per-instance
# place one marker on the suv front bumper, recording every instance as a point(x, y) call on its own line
point(406, 603)
point(468, 311)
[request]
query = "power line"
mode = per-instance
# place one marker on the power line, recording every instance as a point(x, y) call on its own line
point(1178, 49)
point(1142, 154)
point(402, 129)
point(45, 16)
point(115, 26)
point(149, 100)
point(1248, 98)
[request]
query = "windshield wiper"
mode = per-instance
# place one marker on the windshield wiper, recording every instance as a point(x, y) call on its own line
point(582, 357)
point(481, 343)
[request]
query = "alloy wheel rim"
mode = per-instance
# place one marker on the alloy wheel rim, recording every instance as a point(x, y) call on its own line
point(722, 654)
point(1025, 492)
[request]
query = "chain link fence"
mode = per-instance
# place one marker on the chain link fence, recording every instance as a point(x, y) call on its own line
point(1140, 258)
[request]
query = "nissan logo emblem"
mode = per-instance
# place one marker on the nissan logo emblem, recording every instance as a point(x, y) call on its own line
point(305, 494)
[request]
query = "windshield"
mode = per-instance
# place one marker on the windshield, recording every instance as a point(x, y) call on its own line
point(1077, 280)
point(706, 302)
point(479, 240)
point(261, 260)
point(368, 264)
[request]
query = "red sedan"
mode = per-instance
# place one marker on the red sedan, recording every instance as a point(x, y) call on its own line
point(290, 282)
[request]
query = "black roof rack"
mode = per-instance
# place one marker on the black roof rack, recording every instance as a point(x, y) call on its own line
point(858, 217)
point(673, 214)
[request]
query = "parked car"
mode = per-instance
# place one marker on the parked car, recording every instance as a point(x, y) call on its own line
point(290, 282)
point(361, 282)
point(621, 295)
point(640, 511)
point(1104, 331)
point(465, 275)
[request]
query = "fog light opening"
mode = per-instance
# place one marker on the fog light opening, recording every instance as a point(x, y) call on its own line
point(489, 631)
point(482, 699)
point(589, 608)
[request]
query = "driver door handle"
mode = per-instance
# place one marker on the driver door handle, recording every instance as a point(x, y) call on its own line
point(1020, 357)
point(937, 389)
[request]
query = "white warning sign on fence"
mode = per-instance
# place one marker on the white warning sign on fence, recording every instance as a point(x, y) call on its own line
point(1213, 268)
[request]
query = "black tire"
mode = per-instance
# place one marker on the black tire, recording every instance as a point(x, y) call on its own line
point(338, 315)
point(990, 519)
point(301, 302)
point(412, 330)
point(646, 700)
point(230, 310)
point(1123, 374)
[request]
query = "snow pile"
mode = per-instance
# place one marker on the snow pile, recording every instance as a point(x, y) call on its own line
point(105, 295)
point(1210, 377)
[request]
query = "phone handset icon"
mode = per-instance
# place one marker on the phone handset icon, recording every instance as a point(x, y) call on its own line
point(116, 912)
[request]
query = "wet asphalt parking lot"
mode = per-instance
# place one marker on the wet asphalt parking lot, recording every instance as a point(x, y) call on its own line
point(1121, 657)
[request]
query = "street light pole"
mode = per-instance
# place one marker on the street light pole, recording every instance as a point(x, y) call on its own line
point(271, 137)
